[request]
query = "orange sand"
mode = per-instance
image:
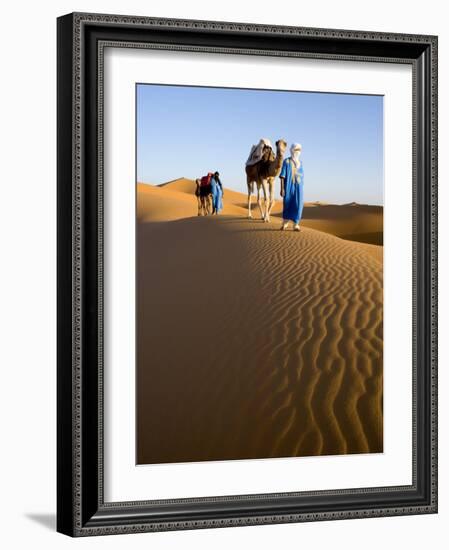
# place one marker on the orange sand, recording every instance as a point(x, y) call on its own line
point(252, 342)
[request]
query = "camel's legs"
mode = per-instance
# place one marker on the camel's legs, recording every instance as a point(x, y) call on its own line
point(250, 192)
point(265, 215)
point(209, 204)
point(198, 196)
point(271, 199)
point(259, 202)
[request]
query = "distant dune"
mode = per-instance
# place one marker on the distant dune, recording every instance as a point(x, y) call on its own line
point(352, 221)
point(184, 185)
point(163, 204)
point(167, 203)
point(252, 342)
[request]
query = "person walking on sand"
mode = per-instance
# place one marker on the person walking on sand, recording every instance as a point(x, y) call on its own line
point(292, 188)
point(217, 193)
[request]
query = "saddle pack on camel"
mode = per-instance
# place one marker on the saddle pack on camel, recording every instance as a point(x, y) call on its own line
point(205, 180)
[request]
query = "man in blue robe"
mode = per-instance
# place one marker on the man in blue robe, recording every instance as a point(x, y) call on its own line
point(292, 188)
point(217, 193)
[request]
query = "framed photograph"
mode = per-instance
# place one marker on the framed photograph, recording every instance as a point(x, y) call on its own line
point(247, 279)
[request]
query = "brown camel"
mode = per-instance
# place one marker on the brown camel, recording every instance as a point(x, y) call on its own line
point(263, 174)
point(204, 203)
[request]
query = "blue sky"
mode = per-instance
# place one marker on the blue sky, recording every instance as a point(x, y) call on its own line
point(187, 131)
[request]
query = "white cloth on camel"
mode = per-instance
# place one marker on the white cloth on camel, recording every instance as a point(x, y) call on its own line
point(257, 150)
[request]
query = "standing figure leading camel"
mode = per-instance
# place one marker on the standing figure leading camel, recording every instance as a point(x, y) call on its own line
point(263, 173)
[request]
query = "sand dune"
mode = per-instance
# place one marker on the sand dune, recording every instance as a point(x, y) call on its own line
point(155, 203)
point(355, 222)
point(183, 185)
point(352, 221)
point(253, 342)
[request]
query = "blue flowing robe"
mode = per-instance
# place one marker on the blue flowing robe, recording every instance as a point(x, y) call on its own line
point(217, 195)
point(293, 191)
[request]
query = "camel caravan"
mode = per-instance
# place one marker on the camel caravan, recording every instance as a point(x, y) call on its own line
point(262, 168)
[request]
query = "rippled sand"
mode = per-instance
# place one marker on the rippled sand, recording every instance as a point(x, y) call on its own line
point(252, 342)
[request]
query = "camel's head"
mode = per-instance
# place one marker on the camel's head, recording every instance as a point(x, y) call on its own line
point(281, 146)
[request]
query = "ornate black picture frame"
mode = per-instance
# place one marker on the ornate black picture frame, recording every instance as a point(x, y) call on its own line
point(81, 510)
